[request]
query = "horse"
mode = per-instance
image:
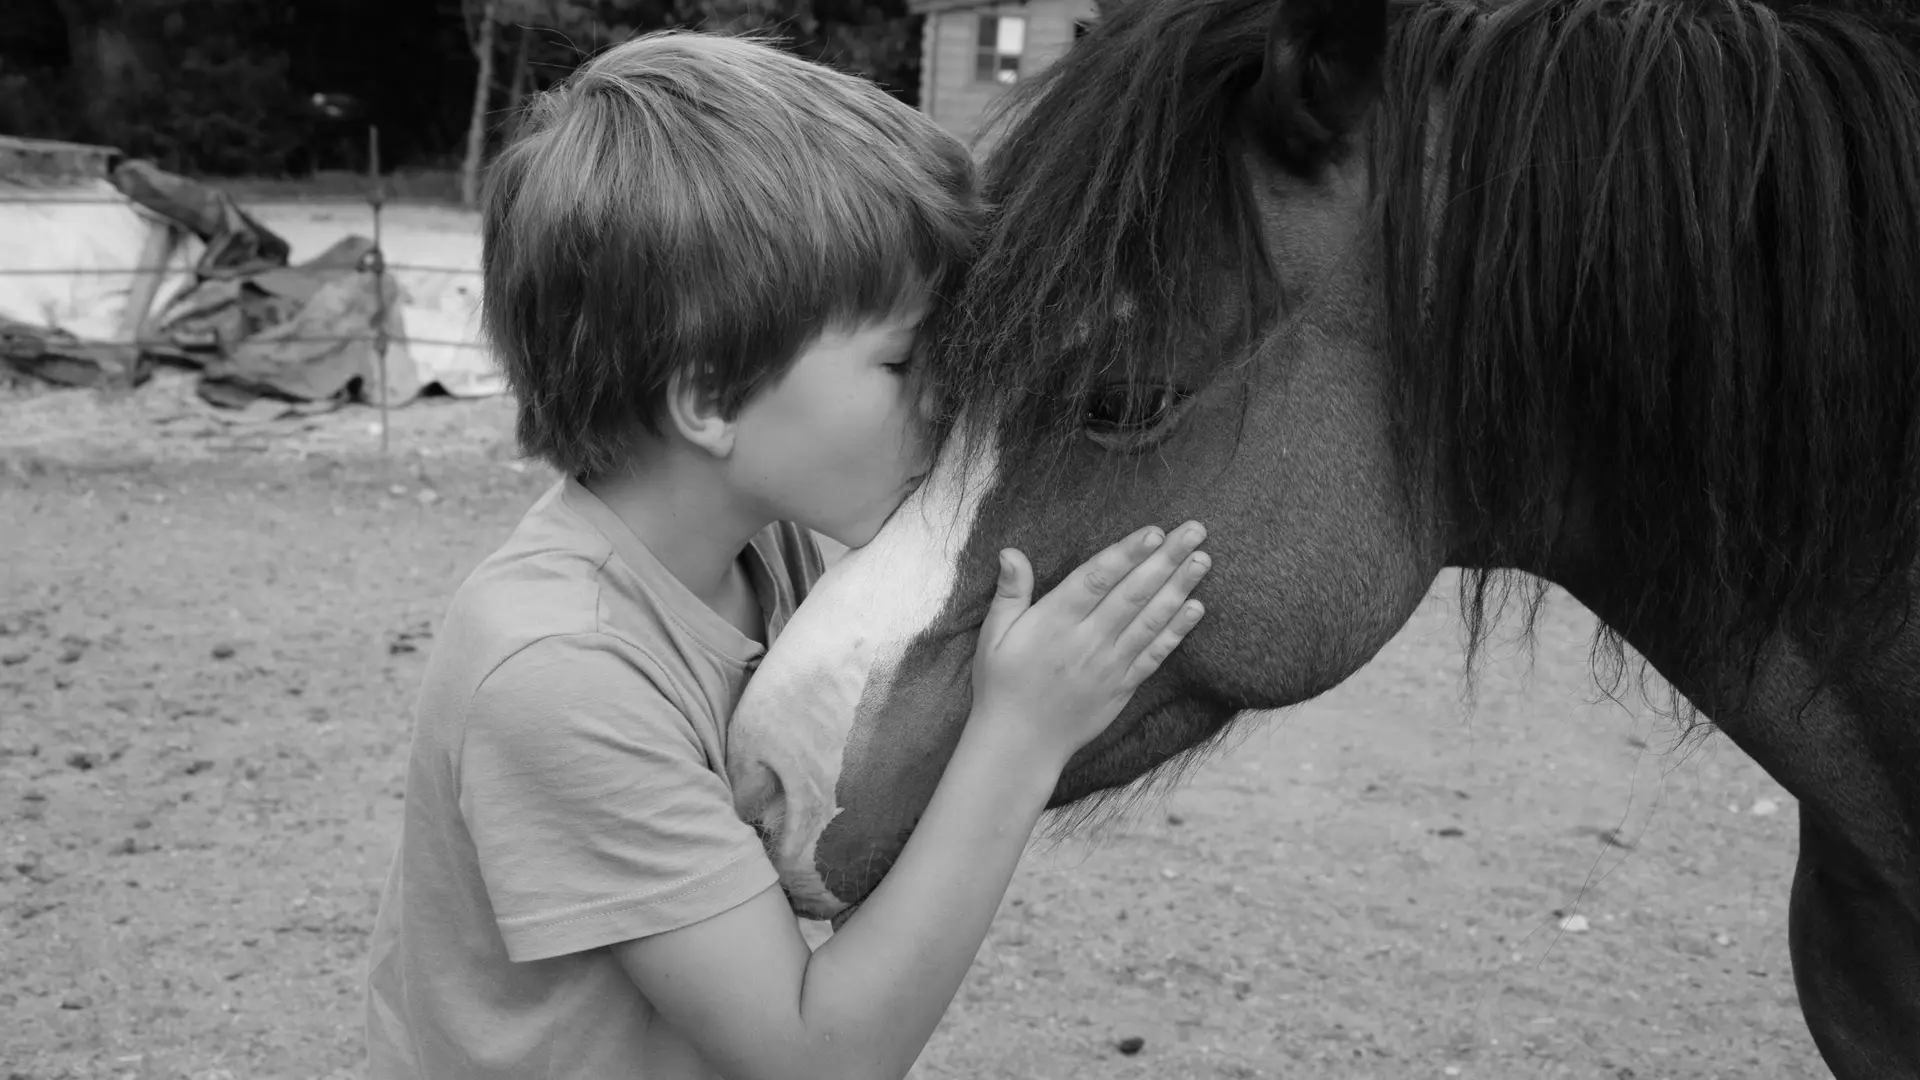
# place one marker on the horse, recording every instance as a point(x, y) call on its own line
point(1616, 295)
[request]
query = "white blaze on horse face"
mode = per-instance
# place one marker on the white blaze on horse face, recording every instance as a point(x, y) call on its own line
point(788, 736)
point(1080, 331)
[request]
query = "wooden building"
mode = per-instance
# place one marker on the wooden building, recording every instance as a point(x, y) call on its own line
point(972, 51)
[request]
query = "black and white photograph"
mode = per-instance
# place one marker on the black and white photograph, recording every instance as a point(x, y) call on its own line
point(959, 539)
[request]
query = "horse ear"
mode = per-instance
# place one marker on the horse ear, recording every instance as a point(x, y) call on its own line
point(1322, 73)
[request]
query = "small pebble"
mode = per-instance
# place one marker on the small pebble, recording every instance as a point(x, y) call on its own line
point(1575, 924)
point(222, 651)
point(1130, 1045)
point(1176, 819)
point(75, 1001)
point(1765, 807)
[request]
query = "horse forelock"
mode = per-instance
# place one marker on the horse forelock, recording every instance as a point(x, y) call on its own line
point(1112, 192)
point(1677, 257)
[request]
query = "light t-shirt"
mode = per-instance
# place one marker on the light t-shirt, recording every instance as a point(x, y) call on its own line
point(566, 791)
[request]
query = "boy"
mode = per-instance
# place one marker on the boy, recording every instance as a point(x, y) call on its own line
point(705, 262)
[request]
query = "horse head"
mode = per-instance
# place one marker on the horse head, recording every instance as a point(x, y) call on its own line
point(1222, 363)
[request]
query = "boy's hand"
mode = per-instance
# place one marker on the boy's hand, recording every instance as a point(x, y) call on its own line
point(1061, 669)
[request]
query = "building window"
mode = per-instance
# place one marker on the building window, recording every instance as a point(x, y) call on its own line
point(1002, 39)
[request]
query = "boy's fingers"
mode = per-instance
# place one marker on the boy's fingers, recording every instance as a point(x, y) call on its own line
point(1154, 655)
point(1094, 579)
point(1159, 612)
point(1012, 595)
point(1123, 604)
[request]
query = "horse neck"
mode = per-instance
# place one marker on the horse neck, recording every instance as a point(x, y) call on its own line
point(1570, 547)
point(1755, 695)
point(1842, 740)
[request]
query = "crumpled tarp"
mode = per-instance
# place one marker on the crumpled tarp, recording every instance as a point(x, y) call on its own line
point(60, 357)
point(254, 325)
point(301, 333)
point(235, 242)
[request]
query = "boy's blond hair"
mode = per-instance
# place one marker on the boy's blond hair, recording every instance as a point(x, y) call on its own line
point(699, 207)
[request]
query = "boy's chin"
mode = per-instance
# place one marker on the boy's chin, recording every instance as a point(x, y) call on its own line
point(860, 533)
point(854, 537)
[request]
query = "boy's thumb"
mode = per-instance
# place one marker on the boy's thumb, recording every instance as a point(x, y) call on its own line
point(1012, 595)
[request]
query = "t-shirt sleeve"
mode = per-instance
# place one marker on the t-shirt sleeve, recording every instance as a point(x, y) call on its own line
point(594, 813)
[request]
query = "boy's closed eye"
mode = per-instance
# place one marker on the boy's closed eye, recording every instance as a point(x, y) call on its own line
point(904, 361)
point(905, 346)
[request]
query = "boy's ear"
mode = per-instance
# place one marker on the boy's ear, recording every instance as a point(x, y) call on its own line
point(698, 418)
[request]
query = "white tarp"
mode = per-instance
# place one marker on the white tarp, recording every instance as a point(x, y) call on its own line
point(434, 254)
point(67, 254)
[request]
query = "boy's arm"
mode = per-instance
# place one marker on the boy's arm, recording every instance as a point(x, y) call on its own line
point(743, 987)
point(741, 984)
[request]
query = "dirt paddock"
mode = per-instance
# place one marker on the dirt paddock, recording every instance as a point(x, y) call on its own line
point(210, 633)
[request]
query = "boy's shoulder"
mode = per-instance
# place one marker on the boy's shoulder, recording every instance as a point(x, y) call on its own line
point(541, 595)
point(562, 579)
point(545, 580)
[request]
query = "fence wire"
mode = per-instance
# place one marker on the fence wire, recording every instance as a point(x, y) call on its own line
point(378, 332)
point(83, 271)
point(378, 266)
point(298, 339)
point(26, 196)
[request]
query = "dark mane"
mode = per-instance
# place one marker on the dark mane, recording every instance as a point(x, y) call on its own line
point(1119, 177)
point(1676, 264)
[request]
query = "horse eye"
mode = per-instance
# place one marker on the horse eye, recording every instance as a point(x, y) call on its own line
point(1123, 409)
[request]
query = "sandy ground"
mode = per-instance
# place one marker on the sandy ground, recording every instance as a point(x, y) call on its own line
point(212, 624)
point(210, 633)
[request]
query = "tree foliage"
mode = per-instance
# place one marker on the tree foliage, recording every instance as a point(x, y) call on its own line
point(223, 87)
